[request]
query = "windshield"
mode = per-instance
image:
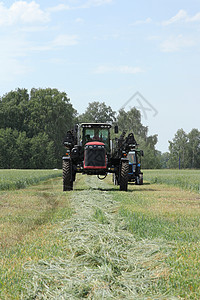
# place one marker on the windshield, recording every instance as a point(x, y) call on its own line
point(96, 134)
point(132, 157)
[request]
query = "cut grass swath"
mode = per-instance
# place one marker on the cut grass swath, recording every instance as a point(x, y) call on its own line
point(104, 260)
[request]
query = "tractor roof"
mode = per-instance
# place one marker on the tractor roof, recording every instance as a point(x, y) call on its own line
point(96, 125)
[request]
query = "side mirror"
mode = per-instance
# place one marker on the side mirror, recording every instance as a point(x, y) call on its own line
point(116, 129)
point(141, 152)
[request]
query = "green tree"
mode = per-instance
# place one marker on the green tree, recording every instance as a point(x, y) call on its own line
point(97, 112)
point(6, 148)
point(194, 148)
point(131, 121)
point(186, 149)
point(51, 113)
point(178, 149)
point(24, 117)
point(42, 152)
point(22, 161)
point(151, 158)
point(164, 158)
point(14, 149)
point(14, 110)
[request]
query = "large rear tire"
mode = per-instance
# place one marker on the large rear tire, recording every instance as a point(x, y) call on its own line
point(124, 176)
point(67, 175)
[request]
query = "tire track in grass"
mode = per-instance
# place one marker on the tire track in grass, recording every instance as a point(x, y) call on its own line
point(104, 259)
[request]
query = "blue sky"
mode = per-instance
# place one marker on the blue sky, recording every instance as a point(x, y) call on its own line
point(107, 50)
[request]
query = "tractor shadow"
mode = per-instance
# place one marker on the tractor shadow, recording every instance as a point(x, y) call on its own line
point(140, 188)
point(128, 191)
point(112, 189)
point(145, 183)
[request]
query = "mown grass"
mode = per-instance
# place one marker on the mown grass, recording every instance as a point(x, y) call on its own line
point(140, 244)
point(17, 179)
point(104, 261)
point(100, 216)
point(185, 179)
point(29, 220)
point(158, 211)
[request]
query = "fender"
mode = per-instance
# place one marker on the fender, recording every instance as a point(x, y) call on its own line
point(66, 157)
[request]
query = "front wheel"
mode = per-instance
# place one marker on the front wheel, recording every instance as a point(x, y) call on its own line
point(115, 179)
point(139, 179)
point(67, 175)
point(124, 176)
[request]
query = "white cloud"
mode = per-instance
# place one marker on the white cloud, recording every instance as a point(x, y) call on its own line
point(60, 7)
point(22, 12)
point(13, 57)
point(140, 22)
point(13, 46)
point(118, 69)
point(176, 43)
point(16, 53)
point(16, 48)
point(63, 40)
point(195, 18)
point(13, 68)
point(153, 38)
point(87, 4)
point(183, 16)
point(31, 29)
point(90, 3)
point(79, 20)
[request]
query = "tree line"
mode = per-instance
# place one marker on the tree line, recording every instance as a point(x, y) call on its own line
point(33, 125)
point(184, 150)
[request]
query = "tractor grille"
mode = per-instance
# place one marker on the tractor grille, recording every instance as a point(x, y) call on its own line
point(95, 156)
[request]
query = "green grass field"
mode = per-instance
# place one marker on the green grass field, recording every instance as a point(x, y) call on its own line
point(186, 179)
point(167, 208)
point(97, 242)
point(29, 219)
point(16, 179)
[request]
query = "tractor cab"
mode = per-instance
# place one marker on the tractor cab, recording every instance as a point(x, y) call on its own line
point(96, 144)
point(96, 132)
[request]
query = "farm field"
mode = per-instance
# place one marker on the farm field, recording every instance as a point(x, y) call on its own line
point(99, 243)
point(16, 179)
point(186, 179)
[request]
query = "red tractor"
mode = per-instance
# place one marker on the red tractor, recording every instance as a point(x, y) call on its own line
point(91, 151)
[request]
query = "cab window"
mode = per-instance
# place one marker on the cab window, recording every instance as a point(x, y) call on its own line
point(89, 135)
point(96, 134)
point(132, 157)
